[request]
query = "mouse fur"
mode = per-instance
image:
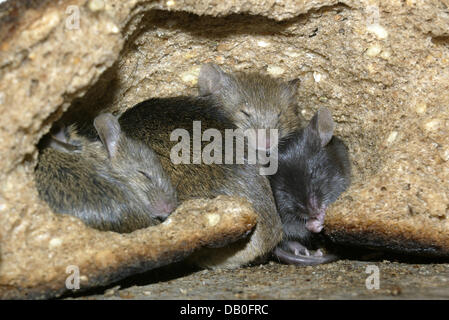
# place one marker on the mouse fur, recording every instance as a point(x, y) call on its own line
point(156, 119)
point(313, 170)
point(112, 184)
point(253, 101)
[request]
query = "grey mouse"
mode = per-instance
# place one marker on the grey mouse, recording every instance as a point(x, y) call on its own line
point(313, 170)
point(114, 183)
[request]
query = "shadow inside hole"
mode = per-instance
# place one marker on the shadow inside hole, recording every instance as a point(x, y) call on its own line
point(367, 253)
point(163, 274)
point(98, 99)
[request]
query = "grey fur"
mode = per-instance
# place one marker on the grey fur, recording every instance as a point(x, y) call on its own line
point(314, 169)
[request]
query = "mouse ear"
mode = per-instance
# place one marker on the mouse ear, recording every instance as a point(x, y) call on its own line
point(211, 79)
point(323, 125)
point(109, 131)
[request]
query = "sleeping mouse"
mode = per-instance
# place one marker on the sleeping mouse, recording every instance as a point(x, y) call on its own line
point(313, 170)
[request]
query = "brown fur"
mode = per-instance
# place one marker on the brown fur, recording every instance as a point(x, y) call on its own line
point(252, 100)
point(103, 183)
point(156, 119)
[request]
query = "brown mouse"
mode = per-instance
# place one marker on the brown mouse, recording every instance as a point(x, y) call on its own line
point(153, 121)
point(253, 101)
point(113, 184)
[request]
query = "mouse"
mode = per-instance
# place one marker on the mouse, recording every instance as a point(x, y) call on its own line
point(253, 101)
point(313, 171)
point(112, 183)
point(154, 123)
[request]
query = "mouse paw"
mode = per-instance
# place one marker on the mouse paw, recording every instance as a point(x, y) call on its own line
point(300, 255)
point(297, 248)
point(318, 253)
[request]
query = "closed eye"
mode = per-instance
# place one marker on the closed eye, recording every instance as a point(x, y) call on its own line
point(245, 113)
point(300, 206)
point(145, 174)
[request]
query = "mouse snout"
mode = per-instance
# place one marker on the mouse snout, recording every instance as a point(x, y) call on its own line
point(316, 222)
point(162, 208)
point(317, 213)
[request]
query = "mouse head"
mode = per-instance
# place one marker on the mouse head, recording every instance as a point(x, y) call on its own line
point(313, 171)
point(253, 101)
point(138, 167)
